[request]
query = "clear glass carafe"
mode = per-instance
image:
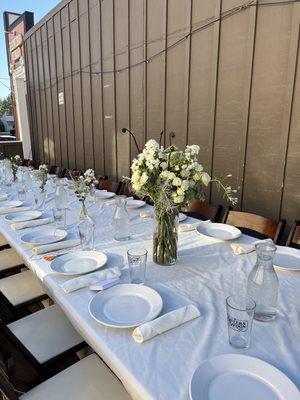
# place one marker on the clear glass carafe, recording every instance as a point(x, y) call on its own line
point(262, 284)
point(61, 195)
point(121, 228)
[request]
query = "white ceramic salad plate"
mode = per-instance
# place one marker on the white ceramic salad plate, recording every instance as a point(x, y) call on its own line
point(80, 262)
point(126, 306)
point(236, 377)
point(287, 258)
point(44, 236)
point(22, 216)
point(219, 231)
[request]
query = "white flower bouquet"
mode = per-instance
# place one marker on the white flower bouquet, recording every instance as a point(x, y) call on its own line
point(82, 187)
point(42, 176)
point(15, 163)
point(172, 178)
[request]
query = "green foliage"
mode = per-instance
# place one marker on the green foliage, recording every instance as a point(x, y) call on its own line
point(6, 106)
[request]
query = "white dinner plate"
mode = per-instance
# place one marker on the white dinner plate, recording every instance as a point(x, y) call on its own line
point(11, 203)
point(23, 216)
point(236, 377)
point(125, 306)
point(182, 217)
point(219, 231)
point(102, 195)
point(287, 258)
point(135, 203)
point(44, 236)
point(78, 263)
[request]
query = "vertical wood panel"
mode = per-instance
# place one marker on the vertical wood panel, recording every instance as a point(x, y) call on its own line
point(96, 85)
point(42, 129)
point(137, 82)
point(234, 79)
point(54, 92)
point(31, 99)
point(107, 17)
point(76, 85)
point(122, 85)
point(156, 34)
point(179, 15)
point(263, 175)
point(204, 67)
point(48, 91)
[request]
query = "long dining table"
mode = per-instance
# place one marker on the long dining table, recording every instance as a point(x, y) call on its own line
point(206, 273)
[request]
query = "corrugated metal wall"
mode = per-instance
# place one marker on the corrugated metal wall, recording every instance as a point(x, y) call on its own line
point(233, 88)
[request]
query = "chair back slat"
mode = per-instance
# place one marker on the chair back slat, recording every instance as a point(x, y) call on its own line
point(293, 239)
point(257, 223)
point(111, 186)
point(203, 210)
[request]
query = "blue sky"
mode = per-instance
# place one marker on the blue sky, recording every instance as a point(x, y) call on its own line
point(39, 8)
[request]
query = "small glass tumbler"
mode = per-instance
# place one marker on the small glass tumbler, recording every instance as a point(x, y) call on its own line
point(86, 234)
point(59, 215)
point(240, 311)
point(137, 259)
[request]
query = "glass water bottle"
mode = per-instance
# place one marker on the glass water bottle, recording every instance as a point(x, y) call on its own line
point(61, 196)
point(263, 283)
point(121, 228)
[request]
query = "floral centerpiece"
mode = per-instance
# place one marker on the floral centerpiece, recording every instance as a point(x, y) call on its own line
point(172, 179)
point(15, 163)
point(42, 174)
point(82, 187)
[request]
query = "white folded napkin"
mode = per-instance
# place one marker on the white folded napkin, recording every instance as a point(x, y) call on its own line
point(191, 227)
point(86, 280)
point(3, 197)
point(47, 248)
point(8, 210)
point(164, 323)
point(241, 248)
point(30, 224)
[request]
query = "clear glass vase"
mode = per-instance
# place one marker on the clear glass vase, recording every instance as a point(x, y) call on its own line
point(121, 221)
point(263, 284)
point(165, 236)
point(83, 211)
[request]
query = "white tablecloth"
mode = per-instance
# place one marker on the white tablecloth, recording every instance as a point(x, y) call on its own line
point(206, 273)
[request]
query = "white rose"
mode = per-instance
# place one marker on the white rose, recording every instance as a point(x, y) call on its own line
point(184, 174)
point(185, 185)
point(164, 165)
point(205, 178)
point(176, 182)
point(180, 192)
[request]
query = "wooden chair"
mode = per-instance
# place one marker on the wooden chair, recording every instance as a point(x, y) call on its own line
point(44, 339)
point(52, 169)
point(75, 173)
point(111, 186)
point(255, 225)
point(20, 291)
point(88, 378)
point(204, 211)
point(293, 239)
point(10, 262)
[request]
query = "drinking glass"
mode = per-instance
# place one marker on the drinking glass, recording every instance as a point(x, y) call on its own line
point(86, 234)
point(21, 191)
point(240, 311)
point(137, 259)
point(59, 215)
point(39, 199)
